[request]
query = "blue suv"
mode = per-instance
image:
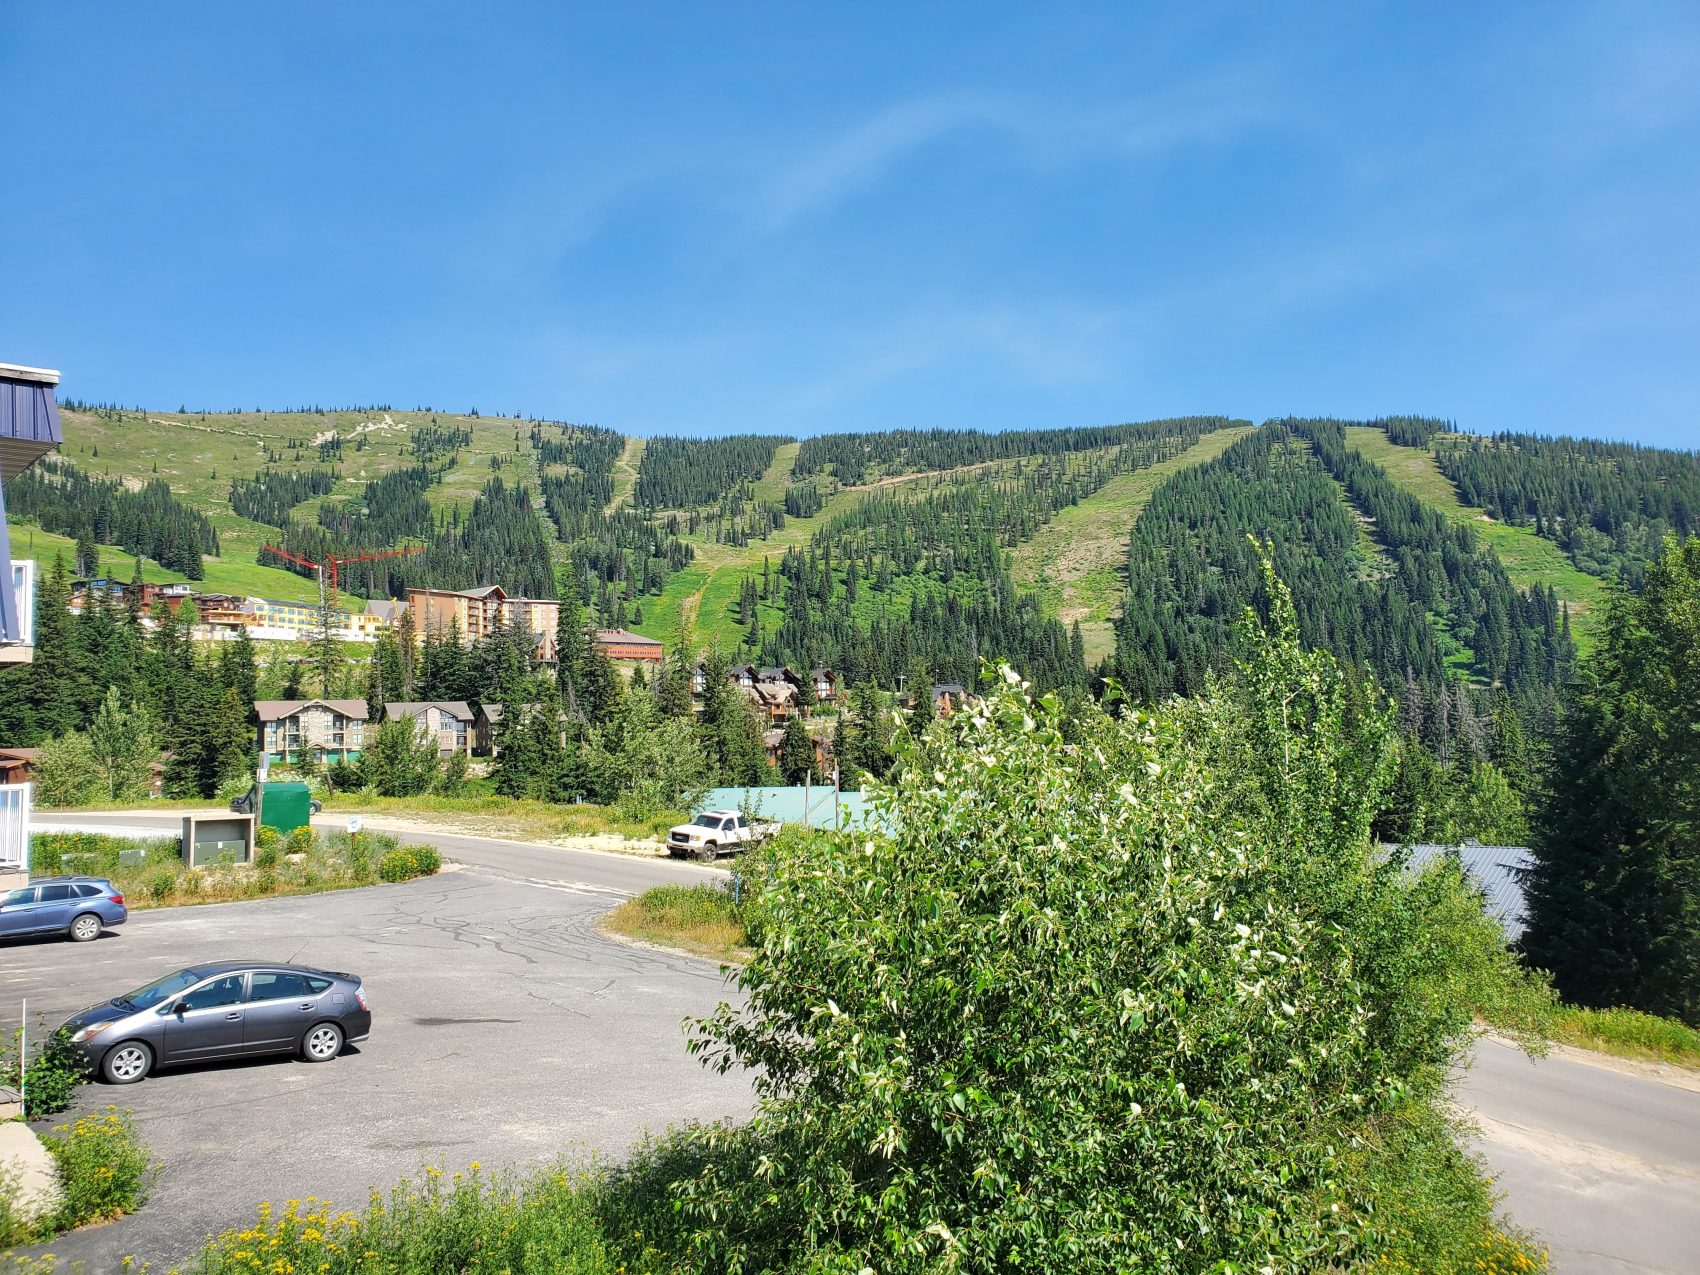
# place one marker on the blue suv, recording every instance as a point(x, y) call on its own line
point(77, 907)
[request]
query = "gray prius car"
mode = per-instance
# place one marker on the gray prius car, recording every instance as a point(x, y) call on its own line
point(223, 1009)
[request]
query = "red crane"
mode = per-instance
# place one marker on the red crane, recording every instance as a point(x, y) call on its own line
point(336, 562)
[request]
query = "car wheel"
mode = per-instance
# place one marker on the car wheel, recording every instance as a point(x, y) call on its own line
point(85, 927)
point(708, 852)
point(322, 1043)
point(315, 807)
point(127, 1063)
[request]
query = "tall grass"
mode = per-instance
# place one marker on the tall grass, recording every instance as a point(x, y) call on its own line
point(518, 817)
point(467, 1222)
point(1628, 1033)
point(306, 864)
point(702, 919)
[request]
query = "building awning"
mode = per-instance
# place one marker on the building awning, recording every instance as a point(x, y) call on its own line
point(29, 417)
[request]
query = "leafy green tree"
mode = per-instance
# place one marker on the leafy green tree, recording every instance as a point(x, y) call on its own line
point(796, 752)
point(65, 772)
point(1615, 897)
point(1154, 1001)
point(644, 763)
point(398, 761)
point(121, 748)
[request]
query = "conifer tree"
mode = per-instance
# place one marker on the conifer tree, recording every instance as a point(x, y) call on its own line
point(1614, 899)
point(796, 752)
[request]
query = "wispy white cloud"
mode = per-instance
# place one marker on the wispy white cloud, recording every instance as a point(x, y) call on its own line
point(857, 157)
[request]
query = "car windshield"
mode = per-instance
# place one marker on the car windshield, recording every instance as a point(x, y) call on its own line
point(155, 992)
point(706, 821)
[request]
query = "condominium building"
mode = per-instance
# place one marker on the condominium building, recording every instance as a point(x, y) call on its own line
point(478, 613)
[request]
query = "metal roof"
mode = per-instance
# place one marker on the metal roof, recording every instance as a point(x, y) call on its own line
point(1498, 871)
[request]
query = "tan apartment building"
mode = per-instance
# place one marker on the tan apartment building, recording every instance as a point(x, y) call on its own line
point(477, 613)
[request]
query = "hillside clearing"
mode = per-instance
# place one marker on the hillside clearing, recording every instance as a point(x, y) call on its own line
point(1078, 560)
point(1529, 559)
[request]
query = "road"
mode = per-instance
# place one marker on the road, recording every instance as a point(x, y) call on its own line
point(596, 869)
point(1603, 1166)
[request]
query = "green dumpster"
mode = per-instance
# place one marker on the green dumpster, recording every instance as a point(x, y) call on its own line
point(287, 806)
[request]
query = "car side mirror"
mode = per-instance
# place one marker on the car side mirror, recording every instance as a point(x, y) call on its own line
point(180, 1007)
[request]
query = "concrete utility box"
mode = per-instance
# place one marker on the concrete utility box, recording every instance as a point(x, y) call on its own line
point(212, 836)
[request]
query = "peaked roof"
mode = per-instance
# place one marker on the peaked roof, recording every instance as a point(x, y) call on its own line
point(271, 710)
point(456, 708)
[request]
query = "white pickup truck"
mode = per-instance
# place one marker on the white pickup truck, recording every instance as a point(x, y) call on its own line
point(714, 831)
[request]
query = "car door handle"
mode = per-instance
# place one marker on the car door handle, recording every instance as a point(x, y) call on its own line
point(233, 1017)
point(306, 1007)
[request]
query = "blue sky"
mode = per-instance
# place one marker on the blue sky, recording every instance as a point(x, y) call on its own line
point(800, 218)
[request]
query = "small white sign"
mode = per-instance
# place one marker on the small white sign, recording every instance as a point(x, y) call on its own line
point(353, 823)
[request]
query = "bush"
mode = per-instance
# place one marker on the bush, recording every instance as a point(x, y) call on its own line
point(161, 884)
point(343, 776)
point(103, 1167)
point(267, 837)
point(407, 862)
point(65, 773)
point(464, 1222)
point(51, 1077)
point(1110, 986)
point(301, 840)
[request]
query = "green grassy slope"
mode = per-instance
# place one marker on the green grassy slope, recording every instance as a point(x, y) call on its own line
point(626, 472)
point(240, 576)
point(1528, 559)
point(198, 454)
point(1078, 560)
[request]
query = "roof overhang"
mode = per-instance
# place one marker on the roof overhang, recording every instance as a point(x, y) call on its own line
point(29, 417)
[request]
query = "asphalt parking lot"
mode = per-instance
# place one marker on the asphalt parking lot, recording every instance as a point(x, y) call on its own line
point(506, 1031)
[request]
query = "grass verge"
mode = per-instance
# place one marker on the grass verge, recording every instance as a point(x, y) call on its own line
point(700, 919)
point(152, 874)
point(1628, 1033)
point(514, 819)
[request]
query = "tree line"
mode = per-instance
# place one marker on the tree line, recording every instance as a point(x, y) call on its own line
point(854, 457)
point(148, 522)
point(1609, 505)
point(685, 473)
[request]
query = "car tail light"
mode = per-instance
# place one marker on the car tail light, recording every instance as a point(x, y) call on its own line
point(115, 897)
point(360, 995)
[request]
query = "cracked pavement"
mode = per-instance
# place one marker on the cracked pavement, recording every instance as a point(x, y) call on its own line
point(506, 1030)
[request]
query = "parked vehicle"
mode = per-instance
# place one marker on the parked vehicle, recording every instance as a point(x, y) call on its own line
point(223, 1009)
point(77, 907)
point(714, 831)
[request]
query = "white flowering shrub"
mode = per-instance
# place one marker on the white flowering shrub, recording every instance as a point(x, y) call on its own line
point(1147, 1001)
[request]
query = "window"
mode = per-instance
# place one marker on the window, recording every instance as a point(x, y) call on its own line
point(17, 898)
point(88, 891)
point(270, 985)
point(218, 993)
point(57, 893)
